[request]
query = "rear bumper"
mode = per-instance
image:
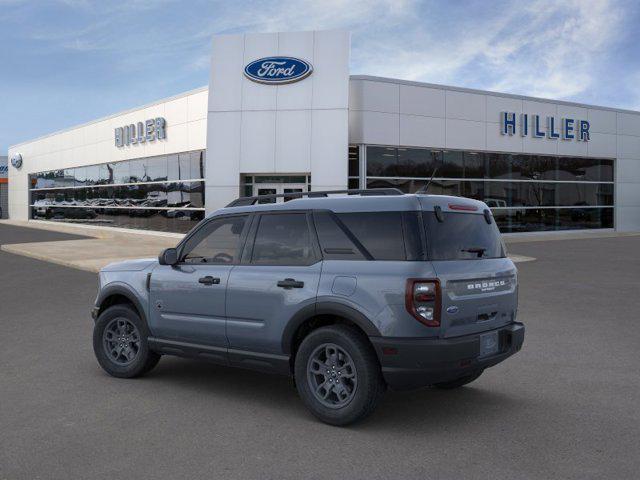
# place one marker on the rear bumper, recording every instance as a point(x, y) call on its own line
point(411, 363)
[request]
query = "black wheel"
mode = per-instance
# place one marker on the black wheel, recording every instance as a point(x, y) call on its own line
point(337, 375)
point(458, 382)
point(120, 343)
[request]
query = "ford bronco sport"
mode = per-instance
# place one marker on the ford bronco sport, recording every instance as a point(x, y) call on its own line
point(348, 294)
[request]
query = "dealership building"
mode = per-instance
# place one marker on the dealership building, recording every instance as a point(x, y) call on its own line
point(282, 114)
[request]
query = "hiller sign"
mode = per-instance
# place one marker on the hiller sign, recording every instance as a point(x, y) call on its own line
point(147, 131)
point(532, 125)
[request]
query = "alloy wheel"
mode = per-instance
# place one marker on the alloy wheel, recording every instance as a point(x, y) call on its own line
point(332, 375)
point(121, 341)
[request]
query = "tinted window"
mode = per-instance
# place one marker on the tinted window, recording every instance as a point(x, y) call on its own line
point(379, 232)
point(382, 161)
point(283, 239)
point(462, 236)
point(217, 242)
point(334, 242)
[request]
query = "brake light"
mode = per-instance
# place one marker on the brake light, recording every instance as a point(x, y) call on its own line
point(422, 300)
point(464, 208)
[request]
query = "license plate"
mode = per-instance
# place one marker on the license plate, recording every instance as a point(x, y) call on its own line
point(489, 344)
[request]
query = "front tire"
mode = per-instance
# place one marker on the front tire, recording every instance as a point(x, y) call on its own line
point(120, 343)
point(337, 375)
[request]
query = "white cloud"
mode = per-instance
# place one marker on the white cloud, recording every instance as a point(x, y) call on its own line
point(542, 47)
point(558, 48)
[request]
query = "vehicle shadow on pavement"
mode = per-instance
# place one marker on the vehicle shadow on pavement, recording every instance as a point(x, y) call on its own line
point(403, 411)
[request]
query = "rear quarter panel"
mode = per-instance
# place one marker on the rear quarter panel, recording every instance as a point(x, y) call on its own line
point(377, 290)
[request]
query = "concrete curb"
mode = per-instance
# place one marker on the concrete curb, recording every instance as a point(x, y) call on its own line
point(94, 231)
point(16, 250)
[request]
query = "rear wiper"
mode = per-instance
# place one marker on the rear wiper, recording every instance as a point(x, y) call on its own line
point(477, 250)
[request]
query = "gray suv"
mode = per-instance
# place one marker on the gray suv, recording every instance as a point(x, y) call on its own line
point(348, 294)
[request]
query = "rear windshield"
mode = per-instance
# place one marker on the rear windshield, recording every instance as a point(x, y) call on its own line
point(462, 236)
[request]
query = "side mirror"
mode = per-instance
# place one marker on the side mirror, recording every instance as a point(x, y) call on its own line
point(168, 256)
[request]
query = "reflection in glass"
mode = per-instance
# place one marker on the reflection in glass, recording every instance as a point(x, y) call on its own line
point(197, 164)
point(173, 167)
point(382, 161)
point(121, 172)
point(138, 171)
point(85, 195)
point(157, 169)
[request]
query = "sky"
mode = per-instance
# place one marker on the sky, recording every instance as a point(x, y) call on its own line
point(66, 62)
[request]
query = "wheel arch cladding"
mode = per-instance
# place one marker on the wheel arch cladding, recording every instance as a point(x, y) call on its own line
point(320, 314)
point(118, 295)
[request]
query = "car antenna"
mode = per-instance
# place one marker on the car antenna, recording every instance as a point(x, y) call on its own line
point(426, 187)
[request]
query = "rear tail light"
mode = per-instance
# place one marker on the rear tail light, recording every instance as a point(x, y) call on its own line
point(422, 299)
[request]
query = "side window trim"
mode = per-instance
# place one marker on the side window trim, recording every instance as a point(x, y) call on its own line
point(247, 253)
point(195, 231)
point(410, 250)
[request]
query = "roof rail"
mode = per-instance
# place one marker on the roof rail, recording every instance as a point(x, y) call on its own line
point(246, 201)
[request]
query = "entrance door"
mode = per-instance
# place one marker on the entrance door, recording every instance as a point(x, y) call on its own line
point(277, 189)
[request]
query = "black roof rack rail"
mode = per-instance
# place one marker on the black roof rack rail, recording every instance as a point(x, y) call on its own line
point(246, 201)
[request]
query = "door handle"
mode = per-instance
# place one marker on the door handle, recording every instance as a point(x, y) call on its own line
point(209, 280)
point(290, 283)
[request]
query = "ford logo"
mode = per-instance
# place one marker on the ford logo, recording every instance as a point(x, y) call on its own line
point(277, 70)
point(16, 160)
point(452, 309)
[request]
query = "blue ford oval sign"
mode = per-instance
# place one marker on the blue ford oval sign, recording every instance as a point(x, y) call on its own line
point(277, 70)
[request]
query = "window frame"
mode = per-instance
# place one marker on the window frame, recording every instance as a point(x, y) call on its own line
point(247, 253)
point(203, 225)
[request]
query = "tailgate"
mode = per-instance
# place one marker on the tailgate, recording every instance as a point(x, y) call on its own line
point(477, 295)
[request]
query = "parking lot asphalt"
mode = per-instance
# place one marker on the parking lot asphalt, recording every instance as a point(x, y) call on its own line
point(565, 407)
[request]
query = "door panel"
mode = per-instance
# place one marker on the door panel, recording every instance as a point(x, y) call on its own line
point(279, 276)
point(183, 308)
point(258, 309)
point(187, 300)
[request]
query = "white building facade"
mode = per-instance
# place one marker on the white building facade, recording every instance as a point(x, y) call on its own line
point(283, 115)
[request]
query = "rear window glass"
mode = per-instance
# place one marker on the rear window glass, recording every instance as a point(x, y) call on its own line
point(462, 236)
point(379, 232)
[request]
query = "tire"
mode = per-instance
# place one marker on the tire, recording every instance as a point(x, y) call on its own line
point(458, 382)
point(135, 357)
point(358, 381)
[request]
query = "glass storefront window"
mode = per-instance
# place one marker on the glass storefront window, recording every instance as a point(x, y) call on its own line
point(197, 165)
point(121, 172)
point(157, 170)
point(475, 165)
point(382, 161)
point(413, 162)
point(452, 165)
point(148, 199)
point(138, 171)
point(525, 192)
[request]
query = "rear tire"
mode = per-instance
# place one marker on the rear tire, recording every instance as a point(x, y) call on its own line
point(337, 375)
point(458, 382)
point(120, 343)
